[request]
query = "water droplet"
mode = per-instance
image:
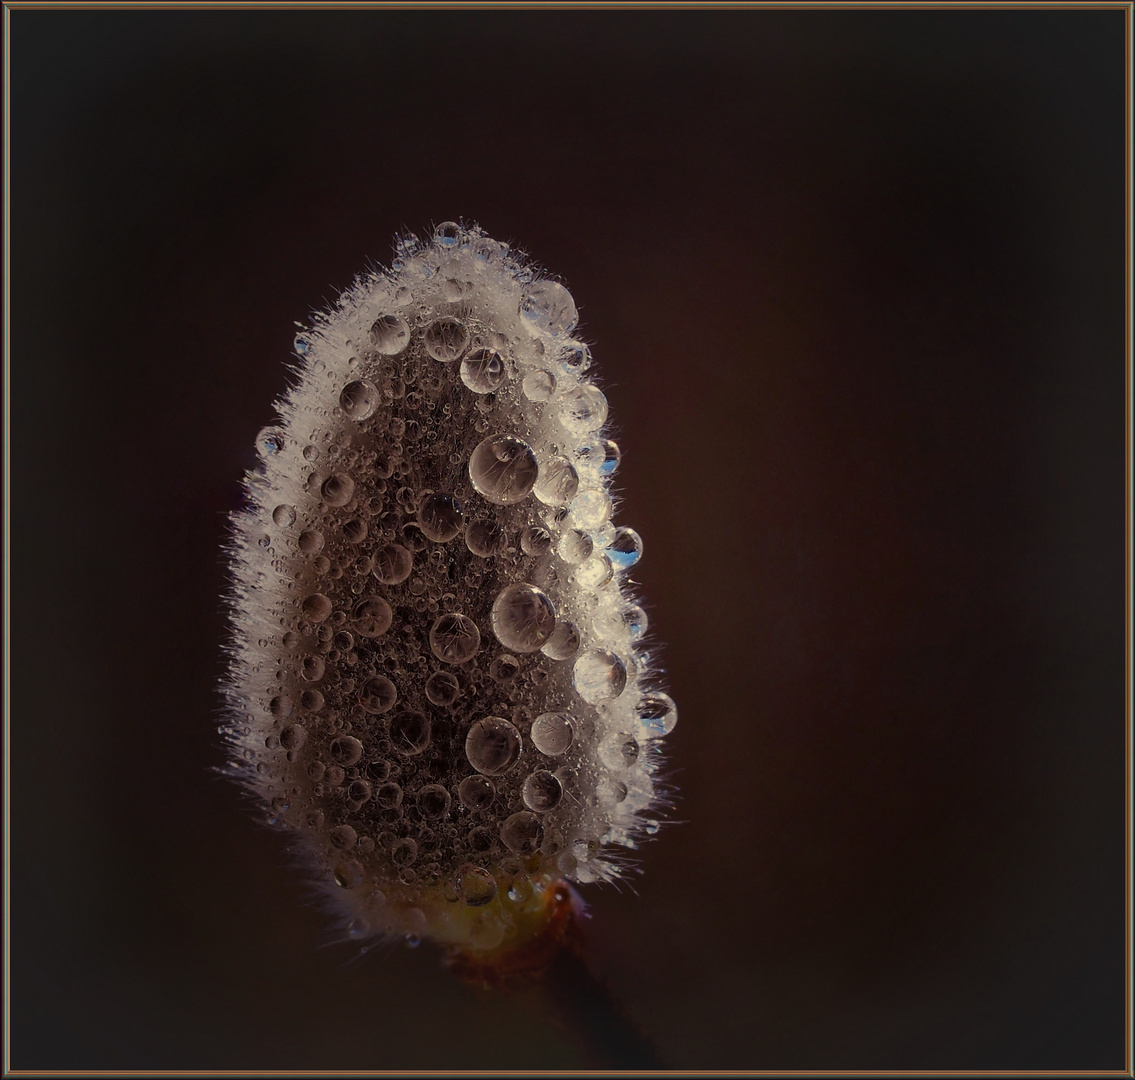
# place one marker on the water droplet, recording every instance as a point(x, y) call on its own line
point(590, 509)
point(354, 531)
point(410, 732)
point(619, 750)
point(389, 335)
point(595, 573)
point(575, 357)
point(548, 307)
point(558, 482)
point(552, 733)
point(439, 517)
point(542, 791)
point(626, 549)
point(447, 234)
point(378, 694)
point(539, 385)
point(344, 837)
point(476, 792)
point(611, 457)
point(337, 489)
point(311, 541)
point(503, 469)
point(454, 638)
point(389, 796)
point(442, 688)
point(504, 668)
point(446, 339)
point(404, 852)
point(483, 370)
point(359, 399)
point(316, 607)
point(312, 668)
point(480, 838)
point(345, 751)
point(434, 801)
point(521, 833)
point(293, 737)
point(284, 516)
point(523, 617)
point(583, 409)
point(636, 621)
point(599, 676)
point(372, 617)
point(478, 887)
point(657, 714)
point(535, 540)
point(610, 793)
point(392, 564)
point(575, 546)
point(484, 537)
point(311, 453)
point(349, 874)
point(312, 700)
point(564, 642)
point(492, 746)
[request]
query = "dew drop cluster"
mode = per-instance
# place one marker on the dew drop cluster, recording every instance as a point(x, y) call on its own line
point(440, 681)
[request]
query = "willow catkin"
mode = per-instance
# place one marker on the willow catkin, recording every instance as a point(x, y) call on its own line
point(438, 682)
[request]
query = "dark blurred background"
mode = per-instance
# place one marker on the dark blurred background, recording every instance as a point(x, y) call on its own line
point(855, 283)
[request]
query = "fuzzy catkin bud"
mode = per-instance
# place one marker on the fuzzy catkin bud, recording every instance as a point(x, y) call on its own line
point(438, 684)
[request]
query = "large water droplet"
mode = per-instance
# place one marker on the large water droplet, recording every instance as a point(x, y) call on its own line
point(548, 307)
point(492, 746)
point(390, 335)
point(564, 642)
point(359, 399)
point(542, 791)
point(372, 616)
point(434, 802)
point(442, 688)
point(626, 549)
point(523, 617)
point(483, 370)
point(521, 833)
point(454, 638)
point(316, 607)
point(583, 409)
point(392, 564)
point(439, 517)
point(345, 750)
point(337, 489)
point(484, 537)
point(503, 469)
point(535, 540)
point(478, 887)
point(476, 792)
point(657, 714)
point(378, 694)
point(599, 676)
point(558, 482)
point(619, 750)
point(446, 339)
point(552, 733)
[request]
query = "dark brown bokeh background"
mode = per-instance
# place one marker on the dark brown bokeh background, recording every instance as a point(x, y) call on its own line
point(856, 286)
